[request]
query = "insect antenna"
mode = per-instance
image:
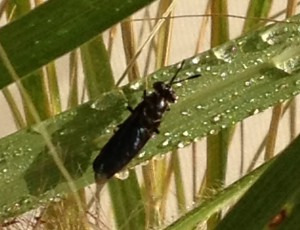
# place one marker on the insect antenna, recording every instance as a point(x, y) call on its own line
point(175, 75)
point(172, 81)
point(188, 78)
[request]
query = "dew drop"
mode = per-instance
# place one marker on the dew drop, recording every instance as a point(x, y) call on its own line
point(217, 118)
point(159, 157)
point(165, 143)
point(226, 52)
point(185, 133)
point(212, 132)
point(223, 75)
point(198, 69)
point(283, 86)
point(180, 145)
point(244, 66)
point(144, 163)
point(135, 86)
point(247, 83)
point(124, 174)
point(255, 111)
point(142, 154)
point(200, 107)
point(267, 94)
point(185, 113)
point(196, 60)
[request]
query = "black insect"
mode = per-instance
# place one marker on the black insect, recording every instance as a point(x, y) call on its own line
point(136, 130)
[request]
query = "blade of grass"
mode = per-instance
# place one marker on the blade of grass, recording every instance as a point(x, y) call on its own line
point(256, 9)
point(204, 210)
point(291, 10)
point(96, 67)
point(161, 172)
point(279, 179)
point(128, 203)
point(19, 121)
point(217, 145)
point(179, 185)
point(34, 84)
point(291, 214)
point(36, 90)
point(129, 45)
point(51, 30)
point(54, 94)
point(73, 97)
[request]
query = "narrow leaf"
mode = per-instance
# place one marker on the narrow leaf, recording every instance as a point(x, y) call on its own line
point(52, 29)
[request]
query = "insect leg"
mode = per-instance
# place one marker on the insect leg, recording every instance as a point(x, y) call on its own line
point(144, 94)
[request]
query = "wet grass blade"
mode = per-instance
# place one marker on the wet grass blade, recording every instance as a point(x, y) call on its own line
point(261, 204)
point(201, 212)
point(52, 29)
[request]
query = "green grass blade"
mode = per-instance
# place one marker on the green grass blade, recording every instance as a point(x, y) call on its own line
point(240, 78)
point(18, 118)
point(73, 97)
point(217, 145)
point(128, 203)
point(36, 89)
point(96, 67)
point(291, 214)
point(204, 210)
point(219, 25)
point(25, 159)
point(52, 30)
point(269, 194)
point(54, 94)
point(257, 9)
point(35, 83)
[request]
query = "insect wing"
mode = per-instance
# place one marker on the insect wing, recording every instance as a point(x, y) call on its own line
point(124, 145)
